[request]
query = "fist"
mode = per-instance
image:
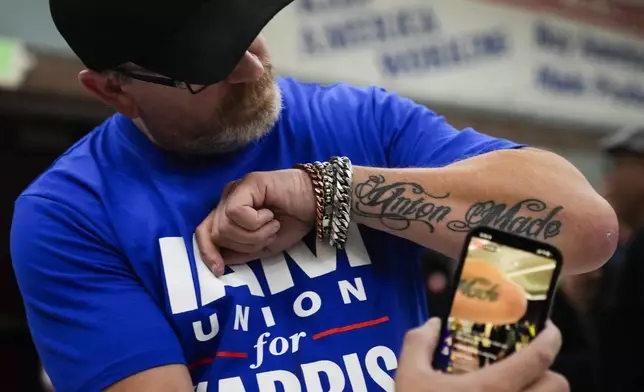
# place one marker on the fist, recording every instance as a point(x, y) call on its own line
point(258, 216)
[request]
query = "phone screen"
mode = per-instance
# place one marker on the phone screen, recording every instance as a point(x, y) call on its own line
point(501, 302)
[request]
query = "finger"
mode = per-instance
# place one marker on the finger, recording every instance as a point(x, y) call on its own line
point(527, 366)
point(229, 188)
point(288, 236)
point(232, 257)
point(249, 191)
point(235, 238)
point(550, 382)
point(249, 218)
point(226, 230)
point(420, 343)
point(209, 252)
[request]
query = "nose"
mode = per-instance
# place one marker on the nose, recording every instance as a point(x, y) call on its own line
point(249, 69)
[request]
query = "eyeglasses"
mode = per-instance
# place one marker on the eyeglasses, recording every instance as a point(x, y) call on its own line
point(163, 81)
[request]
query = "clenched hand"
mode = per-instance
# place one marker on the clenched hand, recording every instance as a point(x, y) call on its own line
point(258, 216)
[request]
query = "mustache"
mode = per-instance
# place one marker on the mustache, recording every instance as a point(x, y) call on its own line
point(246, 93)
point(242, 99)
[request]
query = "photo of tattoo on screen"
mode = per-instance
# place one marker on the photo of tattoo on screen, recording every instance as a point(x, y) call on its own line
point(502, 299)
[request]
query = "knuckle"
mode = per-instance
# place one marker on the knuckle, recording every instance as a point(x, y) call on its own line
point(255, 249)
point(254, 225)
point(254, 246)
point(264, 235)
point(557, 332)
point(230, 185)
point(543, 357)
point(471, 387)
point(217, 233)
point(205, 225)
point(480, 387)
point(230, 210)
point(490, 385)
point(252, 177)
point(241, 248)
point(413, 337)
point(559, 383)
point(209, 259)
point(251, 240)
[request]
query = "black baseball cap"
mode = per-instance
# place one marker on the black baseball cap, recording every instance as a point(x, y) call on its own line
point(193, 41)
point(626, 140)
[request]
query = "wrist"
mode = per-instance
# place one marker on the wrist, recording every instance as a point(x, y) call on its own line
point(329, 186)
point(307, 194)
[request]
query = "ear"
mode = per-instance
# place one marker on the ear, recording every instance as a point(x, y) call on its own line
point(109, 90)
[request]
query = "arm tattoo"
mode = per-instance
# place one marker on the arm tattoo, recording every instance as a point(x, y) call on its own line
point(498, 215)
point(479, 288)
point(399, 204)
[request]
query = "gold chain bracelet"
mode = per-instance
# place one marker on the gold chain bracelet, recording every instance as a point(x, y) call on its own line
point(318, 189)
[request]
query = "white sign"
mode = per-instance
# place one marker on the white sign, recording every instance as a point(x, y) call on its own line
point(467, 53)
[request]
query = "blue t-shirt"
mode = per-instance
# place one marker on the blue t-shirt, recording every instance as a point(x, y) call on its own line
point(103, 248)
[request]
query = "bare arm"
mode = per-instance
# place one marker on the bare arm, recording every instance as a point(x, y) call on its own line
point(529, 192)
point(171, 378)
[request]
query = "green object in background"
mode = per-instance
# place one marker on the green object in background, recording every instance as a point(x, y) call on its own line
point(14, 62)
point(8, 48)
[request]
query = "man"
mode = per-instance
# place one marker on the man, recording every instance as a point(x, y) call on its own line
point(115, 283)
point(619, 305)
point(624, 181)
point(595, 307)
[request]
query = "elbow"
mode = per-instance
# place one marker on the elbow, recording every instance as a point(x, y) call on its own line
point(595, 235)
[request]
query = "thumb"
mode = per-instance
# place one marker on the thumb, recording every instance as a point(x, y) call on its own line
point(420, 343)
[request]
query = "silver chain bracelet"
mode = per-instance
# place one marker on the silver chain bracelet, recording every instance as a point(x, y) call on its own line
point(332, 185)
point(328, 176)
point(342, 191)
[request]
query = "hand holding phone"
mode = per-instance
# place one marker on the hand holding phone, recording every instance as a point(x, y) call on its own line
point(501, 301)
point(526, 371)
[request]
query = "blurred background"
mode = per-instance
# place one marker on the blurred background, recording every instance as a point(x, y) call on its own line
point(555, 74)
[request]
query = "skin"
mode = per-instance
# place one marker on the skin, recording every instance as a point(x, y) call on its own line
point(624, 189)
point(222, 118)
point(265, 213)
point(532, 363)
point(582, 224)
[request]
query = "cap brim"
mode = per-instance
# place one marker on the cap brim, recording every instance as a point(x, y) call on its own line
point(614, 142)
point(627, 140)
point(208, 49)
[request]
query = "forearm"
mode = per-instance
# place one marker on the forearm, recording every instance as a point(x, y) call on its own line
point(528, 192)
point(169, 378)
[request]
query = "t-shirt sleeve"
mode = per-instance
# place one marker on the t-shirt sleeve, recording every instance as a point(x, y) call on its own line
point(91, 320)
point(414, 136)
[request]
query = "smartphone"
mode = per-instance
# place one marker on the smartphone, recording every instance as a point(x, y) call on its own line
point(500, 299)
